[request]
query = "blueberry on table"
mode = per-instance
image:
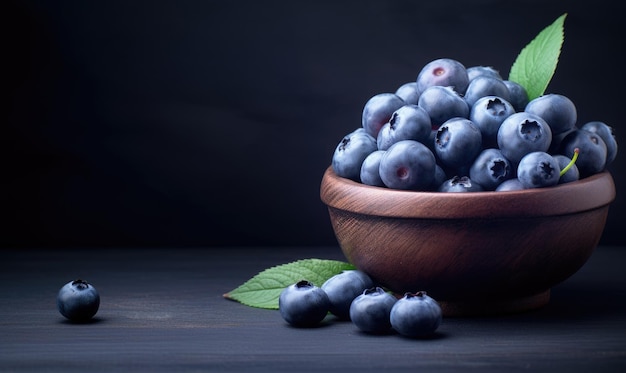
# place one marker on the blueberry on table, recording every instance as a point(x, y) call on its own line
point(370, 311)
point(78, 301)
point(342, 288)
point(303, 304)
point(415, 315)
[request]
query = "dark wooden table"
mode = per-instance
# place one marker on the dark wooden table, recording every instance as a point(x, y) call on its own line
point(162, 310)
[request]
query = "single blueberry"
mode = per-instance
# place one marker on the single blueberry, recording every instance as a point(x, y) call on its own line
point(518, 97)
point(474, 71)
point(458, 142)
point(538, 170)
point(78, 301)
point(482, 86)
point(443, 72)
point(351, 152)
point(510, 185)
point(415, 315)
point(522, 133)
point(370, 174)
point(606, 133)
point(408, 92)
point(377, 111)
point(459, 184)
point(303, 304)
point(570, 175)
point(408, 165)
point(488, 113)
point(342, 288)
point(592, 154)
point(410, 122)
point(442, 103)
point(557, 110)
point(491, 168)
point(370, 311)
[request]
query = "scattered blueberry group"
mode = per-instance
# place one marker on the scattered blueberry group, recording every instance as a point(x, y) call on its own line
point(458, 129)
point(353, 295)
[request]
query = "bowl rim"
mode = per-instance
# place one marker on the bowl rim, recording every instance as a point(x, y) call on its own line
point(589, 193)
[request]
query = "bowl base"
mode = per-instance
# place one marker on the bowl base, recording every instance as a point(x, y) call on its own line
point(495, 307)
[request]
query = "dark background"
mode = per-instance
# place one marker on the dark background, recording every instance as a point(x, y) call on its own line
point(201, 123)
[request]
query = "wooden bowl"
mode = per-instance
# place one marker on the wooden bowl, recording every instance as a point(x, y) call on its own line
point(476, 253)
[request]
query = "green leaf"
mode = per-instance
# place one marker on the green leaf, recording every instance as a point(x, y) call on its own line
point(535, 65)
point(263, 290)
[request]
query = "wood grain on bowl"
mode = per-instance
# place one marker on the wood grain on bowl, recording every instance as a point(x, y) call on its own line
point(476, 253)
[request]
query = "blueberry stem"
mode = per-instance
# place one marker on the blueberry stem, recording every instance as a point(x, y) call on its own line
point(571, 163)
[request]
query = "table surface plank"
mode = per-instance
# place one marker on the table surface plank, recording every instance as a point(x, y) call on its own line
point(162, 310)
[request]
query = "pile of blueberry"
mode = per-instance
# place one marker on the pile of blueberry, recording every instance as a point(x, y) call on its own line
point(458, 129)
point(352, 295)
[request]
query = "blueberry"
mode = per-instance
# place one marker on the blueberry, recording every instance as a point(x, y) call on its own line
point(522, 133)
point(538, 170)
point(557, 110)
point(518, 97)
point(369, 169)
point(342, 288)
point(303, 304)
point(490, 169)
point(440, 177)
point(408, 92)
point(442, 103)
point(593, 151)
point(351, 152)
point(370, 311)
point(377, 111)
point(606, 133)
point(443, 72)
point(459, 184)
point(570, 175)
point(458, 142)
point(78, 301)
point(474, 71)
point(510, 185)
point(408, 165)
point(410, 122)
point(482, 86)
point(488, 113)
point(415, 315)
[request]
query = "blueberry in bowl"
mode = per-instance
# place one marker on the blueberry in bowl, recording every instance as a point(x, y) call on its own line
point(477, 253)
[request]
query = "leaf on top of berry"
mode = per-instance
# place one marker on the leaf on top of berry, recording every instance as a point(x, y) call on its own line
point(536, 63)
